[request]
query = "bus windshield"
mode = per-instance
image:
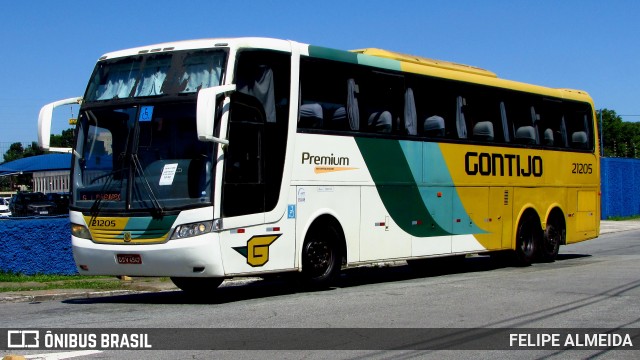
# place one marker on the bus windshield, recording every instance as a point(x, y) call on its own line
point(155, 74)
point(136, 152)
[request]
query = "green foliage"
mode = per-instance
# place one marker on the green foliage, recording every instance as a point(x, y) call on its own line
point(620, 139)
point(17, 151)
point(64, 140)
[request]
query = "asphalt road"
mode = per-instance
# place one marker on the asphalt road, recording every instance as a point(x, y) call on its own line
point(595, 284)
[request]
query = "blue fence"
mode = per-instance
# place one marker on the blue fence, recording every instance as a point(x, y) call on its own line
point(43, 245)
point(36, 246)
point(620, 185)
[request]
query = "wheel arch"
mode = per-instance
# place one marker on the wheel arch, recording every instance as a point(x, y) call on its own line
point(556, 215)
point(322, 218)
point(524, 211)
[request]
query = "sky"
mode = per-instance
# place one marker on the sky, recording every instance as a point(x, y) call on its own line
point(49, 48)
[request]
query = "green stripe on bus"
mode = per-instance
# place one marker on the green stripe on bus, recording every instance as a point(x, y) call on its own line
point(431, 173)
point(383, 63)
point(332, 54)
point(151, 227)
point(396, 186)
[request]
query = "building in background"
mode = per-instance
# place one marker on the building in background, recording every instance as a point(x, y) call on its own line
point(50, 172)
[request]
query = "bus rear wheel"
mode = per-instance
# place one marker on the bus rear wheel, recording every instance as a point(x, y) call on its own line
point(197, 286)
point(321, 257)
point(553, 237)
point(528, 236)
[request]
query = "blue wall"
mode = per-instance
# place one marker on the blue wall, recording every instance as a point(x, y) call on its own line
point(43, 245)
point(620, 187)
point(36, 246)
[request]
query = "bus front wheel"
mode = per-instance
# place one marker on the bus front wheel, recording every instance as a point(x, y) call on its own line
point(321, 258)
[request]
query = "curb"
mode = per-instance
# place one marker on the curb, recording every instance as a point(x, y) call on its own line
point(14, 298)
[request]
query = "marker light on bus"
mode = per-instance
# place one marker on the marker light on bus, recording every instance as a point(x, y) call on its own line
point(80, 231)
point(189, 230)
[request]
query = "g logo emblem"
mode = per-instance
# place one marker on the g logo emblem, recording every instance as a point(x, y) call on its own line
point(127, 236)
point(257, 249)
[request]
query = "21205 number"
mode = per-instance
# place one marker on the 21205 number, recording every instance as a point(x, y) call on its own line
point(103, 223)
point(579, 168)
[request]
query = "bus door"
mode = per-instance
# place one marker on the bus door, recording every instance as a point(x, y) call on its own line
point(253, 166)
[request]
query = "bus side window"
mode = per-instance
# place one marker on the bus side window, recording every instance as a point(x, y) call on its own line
point(434, 112)
point(311, 116)
point(522, 120)
point(475, 114)
point(434, 126)
point(577, 118)
point(329, 96)
point(382, 101)
point(461, 121)
point(483, 131)
point(550, 125)
point(410, 116)
point(347, 117)
point(505, 124)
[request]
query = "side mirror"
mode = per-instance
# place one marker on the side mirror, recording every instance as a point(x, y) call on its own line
point(206, 112)
point(44, 123)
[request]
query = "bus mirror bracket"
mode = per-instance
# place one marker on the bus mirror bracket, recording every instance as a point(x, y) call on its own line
point(44, 123)
point(206, 111)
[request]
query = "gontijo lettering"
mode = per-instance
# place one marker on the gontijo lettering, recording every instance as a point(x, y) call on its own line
point(493, 164)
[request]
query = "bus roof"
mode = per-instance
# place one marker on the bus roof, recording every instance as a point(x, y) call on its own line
point(425, 61)
point(258, 42)
point(366, 56)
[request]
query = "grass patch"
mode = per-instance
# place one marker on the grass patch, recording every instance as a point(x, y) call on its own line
point(41, 278)
point(21, 282)
point(88, 284)
point(623, 218)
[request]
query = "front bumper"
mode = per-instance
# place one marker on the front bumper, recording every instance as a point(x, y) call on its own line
point(193, 257)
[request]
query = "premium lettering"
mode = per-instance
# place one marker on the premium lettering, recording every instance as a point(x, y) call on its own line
point(307, 158)
point(492, 164)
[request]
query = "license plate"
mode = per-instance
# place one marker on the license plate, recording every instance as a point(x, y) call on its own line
point(44, 212)
point(134, 259)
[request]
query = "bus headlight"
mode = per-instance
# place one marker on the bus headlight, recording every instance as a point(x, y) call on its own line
point(189, 230)
point(80, 231)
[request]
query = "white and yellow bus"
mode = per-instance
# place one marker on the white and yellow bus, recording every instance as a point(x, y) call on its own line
point(209, 159)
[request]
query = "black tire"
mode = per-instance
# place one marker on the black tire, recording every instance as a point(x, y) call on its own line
point(528, 237)
point(550, 244)
point(197, 286)
point(321, 256)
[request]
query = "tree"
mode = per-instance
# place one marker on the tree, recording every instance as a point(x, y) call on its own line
point(65, 140)
point(15, 152)
point(619, 138)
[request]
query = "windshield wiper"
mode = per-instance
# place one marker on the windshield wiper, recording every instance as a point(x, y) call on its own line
point(159, 211)
point(94, 211)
